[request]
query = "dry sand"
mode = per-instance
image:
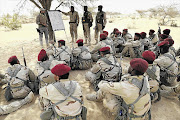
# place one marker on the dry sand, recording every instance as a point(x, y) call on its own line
point(12, 42)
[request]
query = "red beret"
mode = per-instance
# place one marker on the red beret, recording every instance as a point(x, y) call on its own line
point(125, 30)
point(115, 29)
point(139, 64)
point(118, 33)
point(104, 49)
point(103, 36)
point(61, 41)
point(143, 34)
point(137, 34)
point(12, 58)
point(79, 41)
point(171, 41)
point(42, 55)
point(151, 30)
point(149, 55)
point(163, 43)
point(164, 36)
point(60, 69)
point(106, 32)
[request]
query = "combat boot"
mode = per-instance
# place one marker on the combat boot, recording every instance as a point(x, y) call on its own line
point(28, 98)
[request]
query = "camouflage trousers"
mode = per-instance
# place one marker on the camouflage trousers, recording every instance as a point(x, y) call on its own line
point(98, 29)
point(6, 109)
point(73, 31)
point(45, 31)
point(86, 30)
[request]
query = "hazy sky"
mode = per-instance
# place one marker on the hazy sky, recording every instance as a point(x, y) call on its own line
point(122, 6)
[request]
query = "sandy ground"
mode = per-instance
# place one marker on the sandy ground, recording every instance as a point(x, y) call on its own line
point(12, 42)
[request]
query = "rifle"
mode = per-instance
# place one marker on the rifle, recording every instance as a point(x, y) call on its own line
point(24, 57)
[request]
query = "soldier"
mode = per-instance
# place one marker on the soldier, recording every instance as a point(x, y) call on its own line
point(42, 22)
point(87, 20)
point(144, 41)
point(118, 42)
point(127, 36)
point(44, 66)
point(112, 35)
point(153, 37)
point(167, 32)
point(63, 53)
point(65, 96)
point(171, 48)
point(81, 57)
point(106, 68)
point(130, 98)
point(20, 79)
point(168, 65)
point(153, 73)
point(74, 22)
point(103, 43)
point(100, 22)
point(133, 47)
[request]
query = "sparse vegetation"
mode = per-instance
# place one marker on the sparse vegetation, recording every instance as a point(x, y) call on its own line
point(11, 22)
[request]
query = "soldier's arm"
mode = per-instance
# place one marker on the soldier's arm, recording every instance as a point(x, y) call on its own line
point(96, 48)
point(96, 68)
point(77, 17)
point(37, 19)
point(105, 20)
point(66, 13)
point(116, 88)
point(136, 43)
point(91, 18)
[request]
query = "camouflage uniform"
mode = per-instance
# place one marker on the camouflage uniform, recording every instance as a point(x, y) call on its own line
point(81, 58)
point(70, 106)
point(133, 47)
point(110, 93)
point(106, 68)
point(127, 37)
point(87, 19)
point(99, 45)
point(74, 22)
point(100, 22)
point(63, 53)
point(41, 20)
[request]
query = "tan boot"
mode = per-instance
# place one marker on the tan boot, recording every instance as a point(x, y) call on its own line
point(95, 42)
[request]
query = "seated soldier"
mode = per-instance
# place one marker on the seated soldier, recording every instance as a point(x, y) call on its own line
point(153, 73)
point(153, 37)
point(144, 42)
point(65, 96)
point(102, 43)
point(171, 48)
point(20, 85)
point(106, 68)
point(155, 48)
point(127, 36)
point(44, 66)
point(118, 41)
point(167, 32)
point(131, 94)
point(132, 48)
point(63, 53)
point(21, 79)
point(81, 57)
point(168, 65)
point(112, 35)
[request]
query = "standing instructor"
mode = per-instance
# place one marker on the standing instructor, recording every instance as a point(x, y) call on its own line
point(87, 20)
point(74, 22)
point(100, 22)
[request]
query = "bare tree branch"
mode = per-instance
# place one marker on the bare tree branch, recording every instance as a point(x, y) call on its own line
point(35, 3)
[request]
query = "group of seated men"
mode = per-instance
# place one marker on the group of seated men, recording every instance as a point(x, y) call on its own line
point(152, 73)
